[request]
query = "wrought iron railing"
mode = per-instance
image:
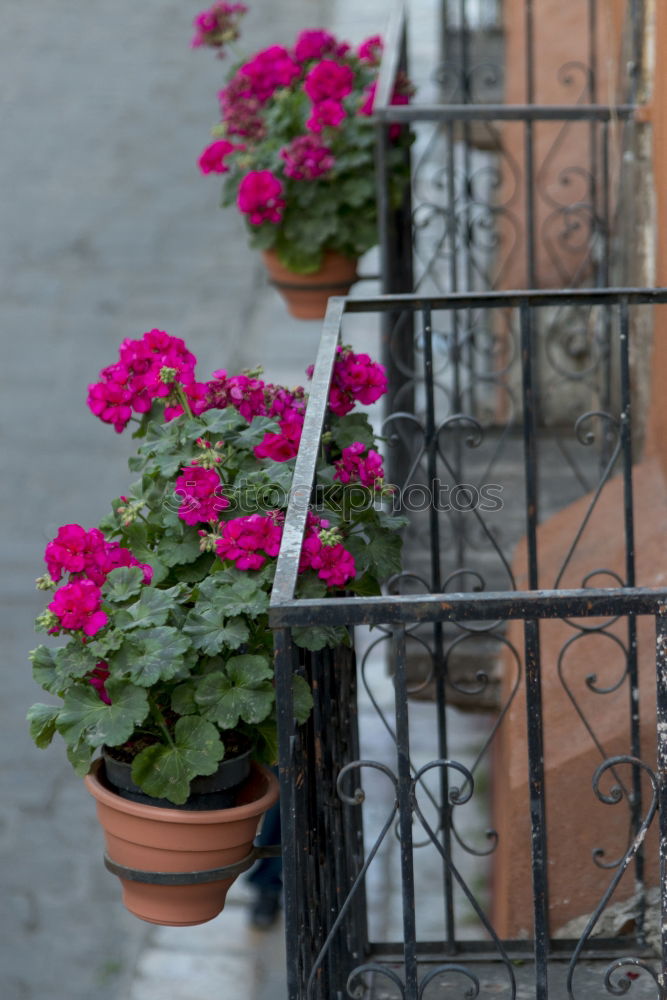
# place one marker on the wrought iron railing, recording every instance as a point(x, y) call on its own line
point(340, 830)
point(529, 193)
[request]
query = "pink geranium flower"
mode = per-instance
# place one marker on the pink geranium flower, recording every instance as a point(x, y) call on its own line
point(111, 400)
point(218, 25)
point(356, 466)
point(249, 541)
point(355, 379)
point(325, 114)
point(370, 51)
point(212, 160)
point(77, 605)
point(269, 69)
point(285, 445)
point(88, 554)
point(307, 158)
point(73, 550)
point(328, 80)
point(314, 45)
point(135, 381)
point(200, 493)
point(259, 197)
point(332, 562)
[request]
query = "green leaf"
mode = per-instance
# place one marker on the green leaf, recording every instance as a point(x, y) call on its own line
point(74, 661)
point(80, 757)
point(211, 630)
point(167, 465)
point(152, 608)
point(302, 698)
point(243, 692)
point(353, 427)
point(123, 583)
point(365, 586)
point(44, 669)
point(153, 654)
point(315, 638)
point(265, 735)
point(166, 771)
point(310, 586)
point(385, 552)
point(260, 426)
point(220, 422)
point(173, 551)
point(42, 720)
point(183, 699)
point(356, 190)
point(237, 592)
point(85, 717)
point(108, 643)
point(196, 571)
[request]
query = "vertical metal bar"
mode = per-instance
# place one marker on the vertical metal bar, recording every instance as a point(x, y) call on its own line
point(464, 44)
point(592, 51)
point(593, 127)
point(533, 665)
point(405, 815)
point(529, 160)
point(636, 58)
point(454, 352)
point(530, 407)
point(661, 680)
point(537, 807)
point(431, 444)
point(290, 826)
point(444, 33)
point(529, 29)
point(529, 182)
point(633, 672)
point(603, 281)
point(396, 275)
point(436, 586)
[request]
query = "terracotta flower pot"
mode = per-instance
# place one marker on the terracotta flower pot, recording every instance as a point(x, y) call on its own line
point(307, 295)
point(148, 839)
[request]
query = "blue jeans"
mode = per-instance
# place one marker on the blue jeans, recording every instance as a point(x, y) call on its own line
point(267, 874)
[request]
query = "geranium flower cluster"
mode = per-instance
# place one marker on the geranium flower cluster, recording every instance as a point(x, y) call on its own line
point(249, 541)
point(307, 158)
point(146, 370)
point(324, 552)
point(358, 464)
point(89, 554)
point(200, 494)
point(292, 118)
point(88, 558)
point(253, 397)
point(218, 25)
point(356, 379)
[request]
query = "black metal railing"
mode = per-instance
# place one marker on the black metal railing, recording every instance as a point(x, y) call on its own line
point(528, 193)
point(346, 838)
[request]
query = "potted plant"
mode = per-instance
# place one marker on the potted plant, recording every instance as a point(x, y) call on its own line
point(296, 143)
point(166, 662)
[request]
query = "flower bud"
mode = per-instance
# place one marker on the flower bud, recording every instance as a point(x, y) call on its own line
point(167, 374)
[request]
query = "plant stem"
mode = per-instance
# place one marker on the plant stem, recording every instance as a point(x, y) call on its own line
point(183, 399)
point(161, 724)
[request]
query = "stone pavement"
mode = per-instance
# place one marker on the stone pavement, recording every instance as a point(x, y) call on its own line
point(108, 230)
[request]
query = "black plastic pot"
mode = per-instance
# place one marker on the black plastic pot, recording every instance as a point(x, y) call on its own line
point(216, 791)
